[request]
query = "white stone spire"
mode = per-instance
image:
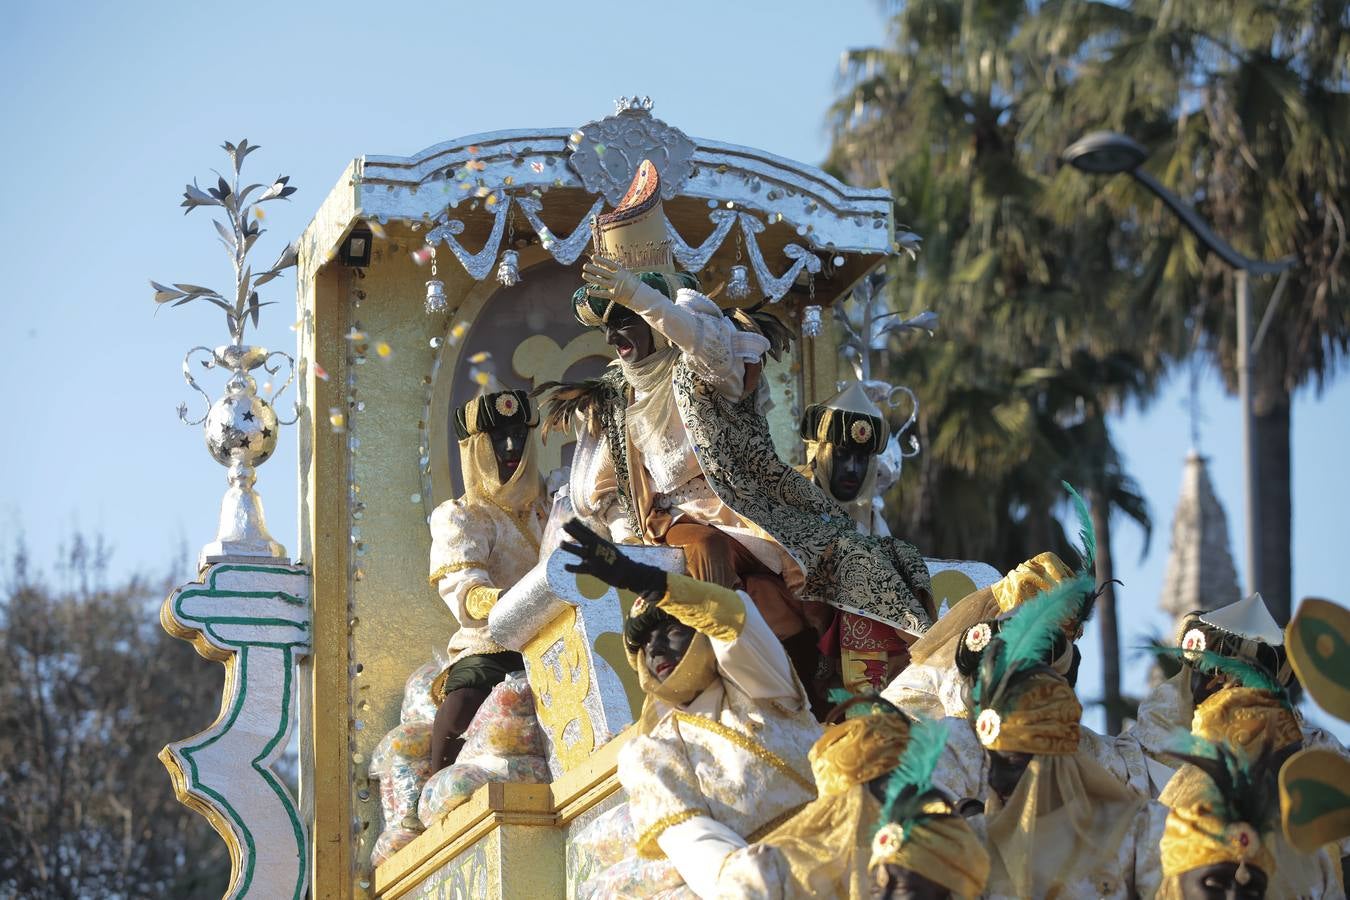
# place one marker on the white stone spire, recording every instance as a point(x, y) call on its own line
point(1200, 572)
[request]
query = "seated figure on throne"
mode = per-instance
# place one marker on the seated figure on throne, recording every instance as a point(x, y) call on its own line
point(672, 447)
point(720, 754)
point(843, 437)
point(481, 544)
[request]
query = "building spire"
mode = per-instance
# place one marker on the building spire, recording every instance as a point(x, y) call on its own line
point(1200, 572)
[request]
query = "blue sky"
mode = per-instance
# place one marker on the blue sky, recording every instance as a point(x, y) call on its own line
point(110, 108)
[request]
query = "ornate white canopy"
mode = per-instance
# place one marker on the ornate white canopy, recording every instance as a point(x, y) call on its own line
point(792, 219)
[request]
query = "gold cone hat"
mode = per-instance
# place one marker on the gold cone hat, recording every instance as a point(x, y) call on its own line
point(634, 232)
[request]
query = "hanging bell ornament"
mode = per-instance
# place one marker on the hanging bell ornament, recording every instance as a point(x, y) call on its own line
point(508, 270)
point(436, 302)
point(738, 284)
point(811, 321)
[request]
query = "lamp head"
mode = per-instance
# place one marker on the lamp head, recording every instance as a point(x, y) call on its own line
point(1105, 153)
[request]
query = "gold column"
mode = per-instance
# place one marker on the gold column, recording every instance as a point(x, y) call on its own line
point(325, 547)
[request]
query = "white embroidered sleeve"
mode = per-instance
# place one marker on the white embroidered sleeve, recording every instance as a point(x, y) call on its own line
point(698, 847)
point(755, 661)
point(960, 770)
point(462, 536)
point(712, 345)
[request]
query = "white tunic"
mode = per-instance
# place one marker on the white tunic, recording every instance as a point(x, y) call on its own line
point(717, 352)
point(731, 763)
point(479, 545)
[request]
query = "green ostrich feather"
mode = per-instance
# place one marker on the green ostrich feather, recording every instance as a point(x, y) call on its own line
point(1086, 533)
point(1027, 638)
point(1244, 790)
point(1242, 673)
point(911, 781)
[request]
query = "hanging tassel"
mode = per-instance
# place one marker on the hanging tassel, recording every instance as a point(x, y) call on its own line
point(508, 270)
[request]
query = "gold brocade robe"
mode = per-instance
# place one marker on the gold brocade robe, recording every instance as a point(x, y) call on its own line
point(1128, 870)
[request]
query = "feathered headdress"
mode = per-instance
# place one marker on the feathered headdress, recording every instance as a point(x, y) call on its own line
point(1238, 671)
point(1027, 638)
point(1252, 713)
point(1223, 805)
point(919, 830)
point(910, 785)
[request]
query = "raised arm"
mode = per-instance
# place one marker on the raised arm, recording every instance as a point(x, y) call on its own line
point(747, 652)
point(712, 344)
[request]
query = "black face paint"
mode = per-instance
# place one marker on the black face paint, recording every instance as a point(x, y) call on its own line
point(508, 443)
point(665, 646)
point(892, 882)
point(1005, 771)
point(630, 335)
point(1220, 881)
point(848, 468)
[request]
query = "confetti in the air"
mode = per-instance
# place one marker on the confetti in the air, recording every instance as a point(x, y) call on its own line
point(574, 140)
point(383, 350)
point(537, 166)
point(355, 335)
point(320, 372)
point(475, 165)
point(600, 149)
point(480, 357)
point(473, 149)
point(422, 255)
point(376, 229)
point(259, 213)
point(337, 420)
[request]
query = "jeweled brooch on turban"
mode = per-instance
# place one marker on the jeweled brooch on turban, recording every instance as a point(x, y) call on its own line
point(987, 726)
point(1193, 641)
point(507, 404)
point(978, 637)
point(861, 431)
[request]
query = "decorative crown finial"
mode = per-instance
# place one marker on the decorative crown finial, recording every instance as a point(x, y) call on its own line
point(633, 104)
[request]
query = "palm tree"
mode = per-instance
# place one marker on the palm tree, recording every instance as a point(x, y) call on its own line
point(1258, 137)
point(959, 117)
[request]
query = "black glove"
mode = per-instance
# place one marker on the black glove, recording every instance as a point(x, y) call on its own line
point(602, 559)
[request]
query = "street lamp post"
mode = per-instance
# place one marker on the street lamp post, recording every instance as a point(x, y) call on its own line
point(1107, 153)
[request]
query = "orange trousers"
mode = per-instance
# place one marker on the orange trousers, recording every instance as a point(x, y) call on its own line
point(711, 554)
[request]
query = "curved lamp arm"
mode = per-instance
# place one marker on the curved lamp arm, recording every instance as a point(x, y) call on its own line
point(1200, 228)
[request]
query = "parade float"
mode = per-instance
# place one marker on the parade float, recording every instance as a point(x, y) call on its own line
point(420, 279)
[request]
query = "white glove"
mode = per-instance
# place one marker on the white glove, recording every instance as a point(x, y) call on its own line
point(608, 278)
point(756, 872)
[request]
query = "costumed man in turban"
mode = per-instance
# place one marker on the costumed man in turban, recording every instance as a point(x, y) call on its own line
point(672, 447)
point(933, 684)
point(720, 756)
point(946, 660)
point(870, 769)
point(481, 544)
point(1244, 631)
point(1253, 717)
point(843, 436)
point(1221, 820)
point(1056, 821)
point(925, 849)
